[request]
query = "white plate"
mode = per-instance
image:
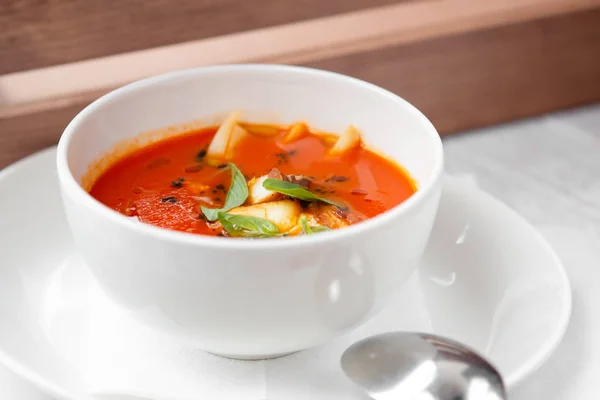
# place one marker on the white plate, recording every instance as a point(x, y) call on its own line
point(488, 279)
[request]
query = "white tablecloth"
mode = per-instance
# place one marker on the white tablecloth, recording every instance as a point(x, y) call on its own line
point(547, 169)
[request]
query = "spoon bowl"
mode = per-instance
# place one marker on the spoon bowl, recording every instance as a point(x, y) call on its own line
point(405, 365)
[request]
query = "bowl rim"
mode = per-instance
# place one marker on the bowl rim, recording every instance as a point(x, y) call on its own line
point(72, 188)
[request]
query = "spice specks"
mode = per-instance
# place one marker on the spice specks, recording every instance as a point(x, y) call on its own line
point(169, 199)
point(201, 154)
point(282, 158)
point(177, 182)
point(337, 178)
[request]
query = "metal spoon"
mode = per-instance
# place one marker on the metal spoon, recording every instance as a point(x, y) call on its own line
point(411, 366)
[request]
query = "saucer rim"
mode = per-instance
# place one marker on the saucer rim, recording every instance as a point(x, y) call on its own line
point(524, 371)
point(536, 361)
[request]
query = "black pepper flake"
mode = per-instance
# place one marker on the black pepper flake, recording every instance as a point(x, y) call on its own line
point(217, 199)
point(337, 178)
point(220, 186)
point(215, 191)
point(169, 199)
point(292, 152)
point(222, 166)
point(282, 158)
point(201, 154)
point(177, 182)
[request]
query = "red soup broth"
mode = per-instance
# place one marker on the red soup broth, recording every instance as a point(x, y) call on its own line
point(165, 183)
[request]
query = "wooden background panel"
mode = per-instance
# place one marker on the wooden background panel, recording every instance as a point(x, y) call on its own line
point(460, 82)
point(486, 77)
point(39, 33)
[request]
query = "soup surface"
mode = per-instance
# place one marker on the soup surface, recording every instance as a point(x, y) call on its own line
point(263, 181)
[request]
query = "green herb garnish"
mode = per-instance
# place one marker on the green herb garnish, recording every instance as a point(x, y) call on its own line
point(320, 228)
point(247, 226)
point(236, 196)
point(294, 190)
point(308, 230)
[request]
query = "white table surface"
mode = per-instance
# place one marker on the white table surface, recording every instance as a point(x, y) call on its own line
point(548, 169)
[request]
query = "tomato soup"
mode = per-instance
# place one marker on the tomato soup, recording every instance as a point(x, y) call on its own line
point(253, 181)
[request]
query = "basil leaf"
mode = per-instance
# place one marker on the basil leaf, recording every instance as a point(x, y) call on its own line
point(307, 230)
point(247, 226)
point(236, 196)
point(294, 190)
point(304, 225)
point(320, 228)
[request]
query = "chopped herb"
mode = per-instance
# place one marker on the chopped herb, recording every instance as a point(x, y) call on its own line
point(221, 166)
point(169, 199)
point(201, 154)
point(177, 182)
point(294, 190)
point(282, 158)
point(337, 178)
point(308, 230)
point(220, 186)
point(236, 196)
point(299, 179)
point(247, 226)
point(304, 225)
point(194, 168)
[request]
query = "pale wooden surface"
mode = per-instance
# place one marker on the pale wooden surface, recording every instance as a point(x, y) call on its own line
point(459, 81)
point(548, 169)
point(38, 34)
point(300, 42)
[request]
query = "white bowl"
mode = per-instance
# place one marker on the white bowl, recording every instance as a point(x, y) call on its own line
point(252, 298)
